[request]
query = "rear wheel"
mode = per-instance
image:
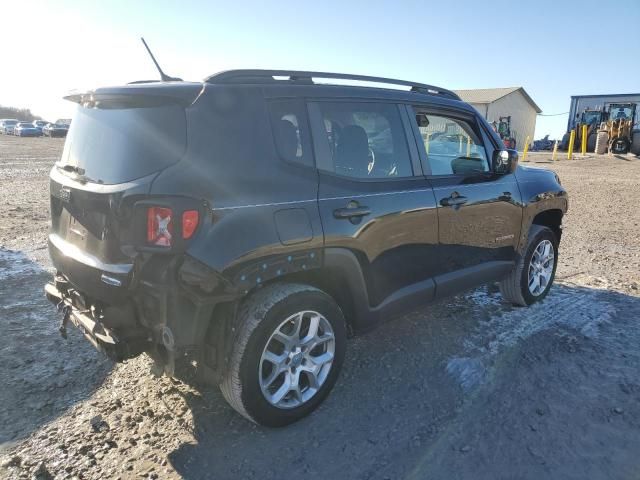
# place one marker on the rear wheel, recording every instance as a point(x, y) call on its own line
point(533, 275)
point(287, 353)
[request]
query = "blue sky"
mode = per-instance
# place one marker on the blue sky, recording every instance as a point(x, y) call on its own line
point(552, 49)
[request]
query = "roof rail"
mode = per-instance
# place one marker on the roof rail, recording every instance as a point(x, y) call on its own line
point(267, 76)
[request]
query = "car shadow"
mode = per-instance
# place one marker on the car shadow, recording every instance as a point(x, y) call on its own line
point(401, 389)
point(42, 374)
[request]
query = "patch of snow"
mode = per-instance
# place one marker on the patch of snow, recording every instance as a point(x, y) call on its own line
point(567, 306)
point(15, 263)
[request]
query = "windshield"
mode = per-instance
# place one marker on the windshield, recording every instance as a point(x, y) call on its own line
point(25, 124)
point(119, 145)
point(592, 117)
point(618, 112)
point(10, 122)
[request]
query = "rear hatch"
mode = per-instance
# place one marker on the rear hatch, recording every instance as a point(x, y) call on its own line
point(120, 138)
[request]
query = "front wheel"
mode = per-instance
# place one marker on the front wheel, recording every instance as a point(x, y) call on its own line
point(287, 353)
point(620, 146)
point(533, 275)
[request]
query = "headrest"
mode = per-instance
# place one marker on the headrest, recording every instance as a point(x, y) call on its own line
point(287, 140)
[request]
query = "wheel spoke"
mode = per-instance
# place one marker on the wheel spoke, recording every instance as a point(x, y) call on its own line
point(315, 341)
point(542, 281)
point(534, 283)
point(283, 390)
point(320, 360)
point(285, 340)
point(271, 357)
point(314, 323)
point(312, 378)
point(275, 373)
point(295, 386)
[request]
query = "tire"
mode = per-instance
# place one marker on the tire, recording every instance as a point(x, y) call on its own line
point(515, 287)
point(635, 145)
point(591, 142)
point(602, 140)
point(274, 309)
point(620, 146)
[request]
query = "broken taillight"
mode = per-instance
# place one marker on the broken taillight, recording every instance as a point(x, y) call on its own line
point(159, 226)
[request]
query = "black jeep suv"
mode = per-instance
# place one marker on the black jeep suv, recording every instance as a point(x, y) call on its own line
point(252, 221)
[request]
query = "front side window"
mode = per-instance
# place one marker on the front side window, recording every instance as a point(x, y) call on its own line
point(366, 140)
point(452, 145)
point(290, 131)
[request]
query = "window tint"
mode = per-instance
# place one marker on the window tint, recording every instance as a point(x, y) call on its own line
point(366, 140)
point(452, 145)
point(116, 145)
point(290, 131)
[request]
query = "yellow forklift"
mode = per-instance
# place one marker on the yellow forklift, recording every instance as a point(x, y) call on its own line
point(616, 131)
point(592, 119)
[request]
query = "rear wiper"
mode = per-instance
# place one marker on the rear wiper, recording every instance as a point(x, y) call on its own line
point(80, 176)
point(72, 168)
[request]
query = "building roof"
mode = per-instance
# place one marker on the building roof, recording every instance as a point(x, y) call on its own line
point(490, 95)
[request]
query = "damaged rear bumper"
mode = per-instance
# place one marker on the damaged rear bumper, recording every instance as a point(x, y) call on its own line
point(91, 323)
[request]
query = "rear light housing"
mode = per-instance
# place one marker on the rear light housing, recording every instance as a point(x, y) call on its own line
point(169, 224)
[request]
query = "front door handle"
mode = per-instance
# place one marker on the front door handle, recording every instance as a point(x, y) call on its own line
point(351, 212)
point(453, 200)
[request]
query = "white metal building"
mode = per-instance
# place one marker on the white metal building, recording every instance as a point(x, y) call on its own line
point(493, 103)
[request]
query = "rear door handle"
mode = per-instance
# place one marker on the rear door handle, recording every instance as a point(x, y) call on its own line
point(351, 212)
point(452, 201)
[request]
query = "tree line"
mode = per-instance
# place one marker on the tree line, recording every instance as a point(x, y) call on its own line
point(18, 113)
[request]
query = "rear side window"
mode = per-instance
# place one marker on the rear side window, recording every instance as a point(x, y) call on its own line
point(366, 140)
point(291, 131)
point(453, 147)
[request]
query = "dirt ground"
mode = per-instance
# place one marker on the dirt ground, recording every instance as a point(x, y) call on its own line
point(468, 388)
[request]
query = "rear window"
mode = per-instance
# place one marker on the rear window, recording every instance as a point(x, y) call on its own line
point(119, 145)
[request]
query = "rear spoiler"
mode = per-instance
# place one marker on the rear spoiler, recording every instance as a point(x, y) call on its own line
point(139, 95)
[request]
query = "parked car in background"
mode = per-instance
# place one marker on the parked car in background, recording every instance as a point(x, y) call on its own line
point(7, 125)
point(39, 124)
point(26, 129)
point(55, 130)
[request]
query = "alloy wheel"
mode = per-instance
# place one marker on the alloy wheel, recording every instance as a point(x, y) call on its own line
point(541, 268)
point(297, 359)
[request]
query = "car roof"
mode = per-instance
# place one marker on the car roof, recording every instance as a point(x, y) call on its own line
point(296, 84)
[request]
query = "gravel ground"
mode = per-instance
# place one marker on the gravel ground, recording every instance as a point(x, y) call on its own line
point(467, 388)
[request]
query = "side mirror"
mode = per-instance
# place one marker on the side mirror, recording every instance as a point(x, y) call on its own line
point(505, 161)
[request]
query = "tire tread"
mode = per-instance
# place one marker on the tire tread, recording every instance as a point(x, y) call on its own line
point(249, 316)
point(511, 286)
